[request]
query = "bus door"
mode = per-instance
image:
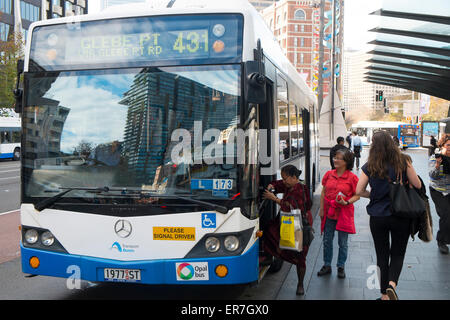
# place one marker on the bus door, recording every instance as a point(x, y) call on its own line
point(307, 149)
point(266, 123)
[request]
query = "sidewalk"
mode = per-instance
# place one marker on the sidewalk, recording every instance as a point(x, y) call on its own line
point(425, 274)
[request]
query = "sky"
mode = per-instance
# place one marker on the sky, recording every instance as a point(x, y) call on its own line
point(357, 22)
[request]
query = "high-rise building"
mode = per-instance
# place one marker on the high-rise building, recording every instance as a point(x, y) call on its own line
point(19, 14)
point(360, 95)
point(160, 102)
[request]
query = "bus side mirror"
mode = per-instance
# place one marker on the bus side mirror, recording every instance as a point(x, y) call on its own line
point(254, 83)
point(255, 80)
point(18, 92)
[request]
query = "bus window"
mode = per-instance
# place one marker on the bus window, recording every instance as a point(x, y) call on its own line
point(16, 137)
point(300, 131)
point(283, 118)
point(293, 128)
point(5, 137)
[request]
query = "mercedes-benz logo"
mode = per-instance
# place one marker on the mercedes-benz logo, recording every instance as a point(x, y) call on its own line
point(123, 228)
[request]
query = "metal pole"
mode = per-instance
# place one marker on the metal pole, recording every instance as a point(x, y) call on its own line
point(321, 56)
point(333, 78)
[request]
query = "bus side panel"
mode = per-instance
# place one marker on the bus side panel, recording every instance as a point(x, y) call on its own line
point(241, 269)
point(7, 150)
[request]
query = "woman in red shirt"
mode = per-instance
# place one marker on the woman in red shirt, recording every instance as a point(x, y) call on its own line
point(337, 210)
point(295, 195)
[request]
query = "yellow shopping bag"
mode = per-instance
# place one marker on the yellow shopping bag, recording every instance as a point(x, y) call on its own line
point(287, 232)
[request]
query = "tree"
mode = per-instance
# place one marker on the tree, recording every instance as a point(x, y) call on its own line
point(10, 52)
point(438, 109)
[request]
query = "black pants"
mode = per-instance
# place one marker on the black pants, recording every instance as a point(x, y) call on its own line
point(390, 250)
point(442, 204)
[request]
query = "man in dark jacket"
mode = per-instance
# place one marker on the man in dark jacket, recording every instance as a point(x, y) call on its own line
point(340, 145)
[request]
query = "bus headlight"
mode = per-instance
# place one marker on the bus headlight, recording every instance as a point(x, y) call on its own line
point(48, 242)
point(231, 243)
point(47, 238)
point(212, 244)
point(31, 236)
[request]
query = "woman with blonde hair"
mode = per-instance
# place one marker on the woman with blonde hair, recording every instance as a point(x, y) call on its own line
point(389, 232)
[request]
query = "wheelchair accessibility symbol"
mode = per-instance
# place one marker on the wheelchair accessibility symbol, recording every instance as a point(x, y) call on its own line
point(208, 220)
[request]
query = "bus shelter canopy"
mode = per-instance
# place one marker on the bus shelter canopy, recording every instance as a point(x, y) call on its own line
point(412, 50)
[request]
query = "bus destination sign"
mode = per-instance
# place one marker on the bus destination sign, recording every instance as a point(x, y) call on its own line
point(170, 44)
point(145, 41)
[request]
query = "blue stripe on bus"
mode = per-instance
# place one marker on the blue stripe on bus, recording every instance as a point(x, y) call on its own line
point(241, 269)
point(6, 155)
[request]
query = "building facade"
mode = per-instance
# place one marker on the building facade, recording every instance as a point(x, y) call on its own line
point(19, 14)
point(296, 26)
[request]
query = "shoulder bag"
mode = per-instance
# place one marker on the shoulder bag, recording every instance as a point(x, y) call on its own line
point(405, 201)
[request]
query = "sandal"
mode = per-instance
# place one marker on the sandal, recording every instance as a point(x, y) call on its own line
point(390, 291)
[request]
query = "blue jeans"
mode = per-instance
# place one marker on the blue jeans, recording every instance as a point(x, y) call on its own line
point(328, 236)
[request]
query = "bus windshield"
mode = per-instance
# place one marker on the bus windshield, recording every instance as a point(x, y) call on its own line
point(97, 128)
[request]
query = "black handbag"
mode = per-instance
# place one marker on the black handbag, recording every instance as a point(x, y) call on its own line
point(405, 201)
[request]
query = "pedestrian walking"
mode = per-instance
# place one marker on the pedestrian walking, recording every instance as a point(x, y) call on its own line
point(339, 146)
point(337, 210)
point(389, 232)
point(433, 146)
point(295, 195)
point(439, 171)
point(349, 140)
point(356, 147)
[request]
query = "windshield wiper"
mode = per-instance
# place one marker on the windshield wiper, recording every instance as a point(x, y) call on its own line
point(216, 207)
point(44, 204)
point(50, 201)
point(213, 206)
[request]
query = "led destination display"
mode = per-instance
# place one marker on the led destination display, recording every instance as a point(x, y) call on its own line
point(146, 41)
point(174, 44)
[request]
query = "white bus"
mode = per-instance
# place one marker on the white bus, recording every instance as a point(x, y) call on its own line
point(368, 128)
point(107, 101)
point(10, 138)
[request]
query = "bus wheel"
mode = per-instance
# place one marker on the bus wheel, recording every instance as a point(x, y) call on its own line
point(276, 265)
point(16, 156)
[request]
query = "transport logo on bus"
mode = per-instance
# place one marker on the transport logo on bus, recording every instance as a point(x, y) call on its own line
point(192, 271)
point(123, 228)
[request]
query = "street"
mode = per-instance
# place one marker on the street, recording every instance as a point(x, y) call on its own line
point(425, 275)
point(9, 214)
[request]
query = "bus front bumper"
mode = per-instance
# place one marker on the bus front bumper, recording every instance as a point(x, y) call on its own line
point(238, 269)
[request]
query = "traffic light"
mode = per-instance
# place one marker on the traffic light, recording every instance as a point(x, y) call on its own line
point(380, 95)
point(377, 96)
point(386, 109)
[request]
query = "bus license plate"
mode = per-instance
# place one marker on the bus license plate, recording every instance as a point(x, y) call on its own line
point(126, 275)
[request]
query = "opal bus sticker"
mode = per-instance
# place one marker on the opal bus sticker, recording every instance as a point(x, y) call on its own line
point(190, 271)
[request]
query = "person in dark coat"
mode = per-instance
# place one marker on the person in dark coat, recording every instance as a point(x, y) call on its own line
point(433, 147)
point(340, 146)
